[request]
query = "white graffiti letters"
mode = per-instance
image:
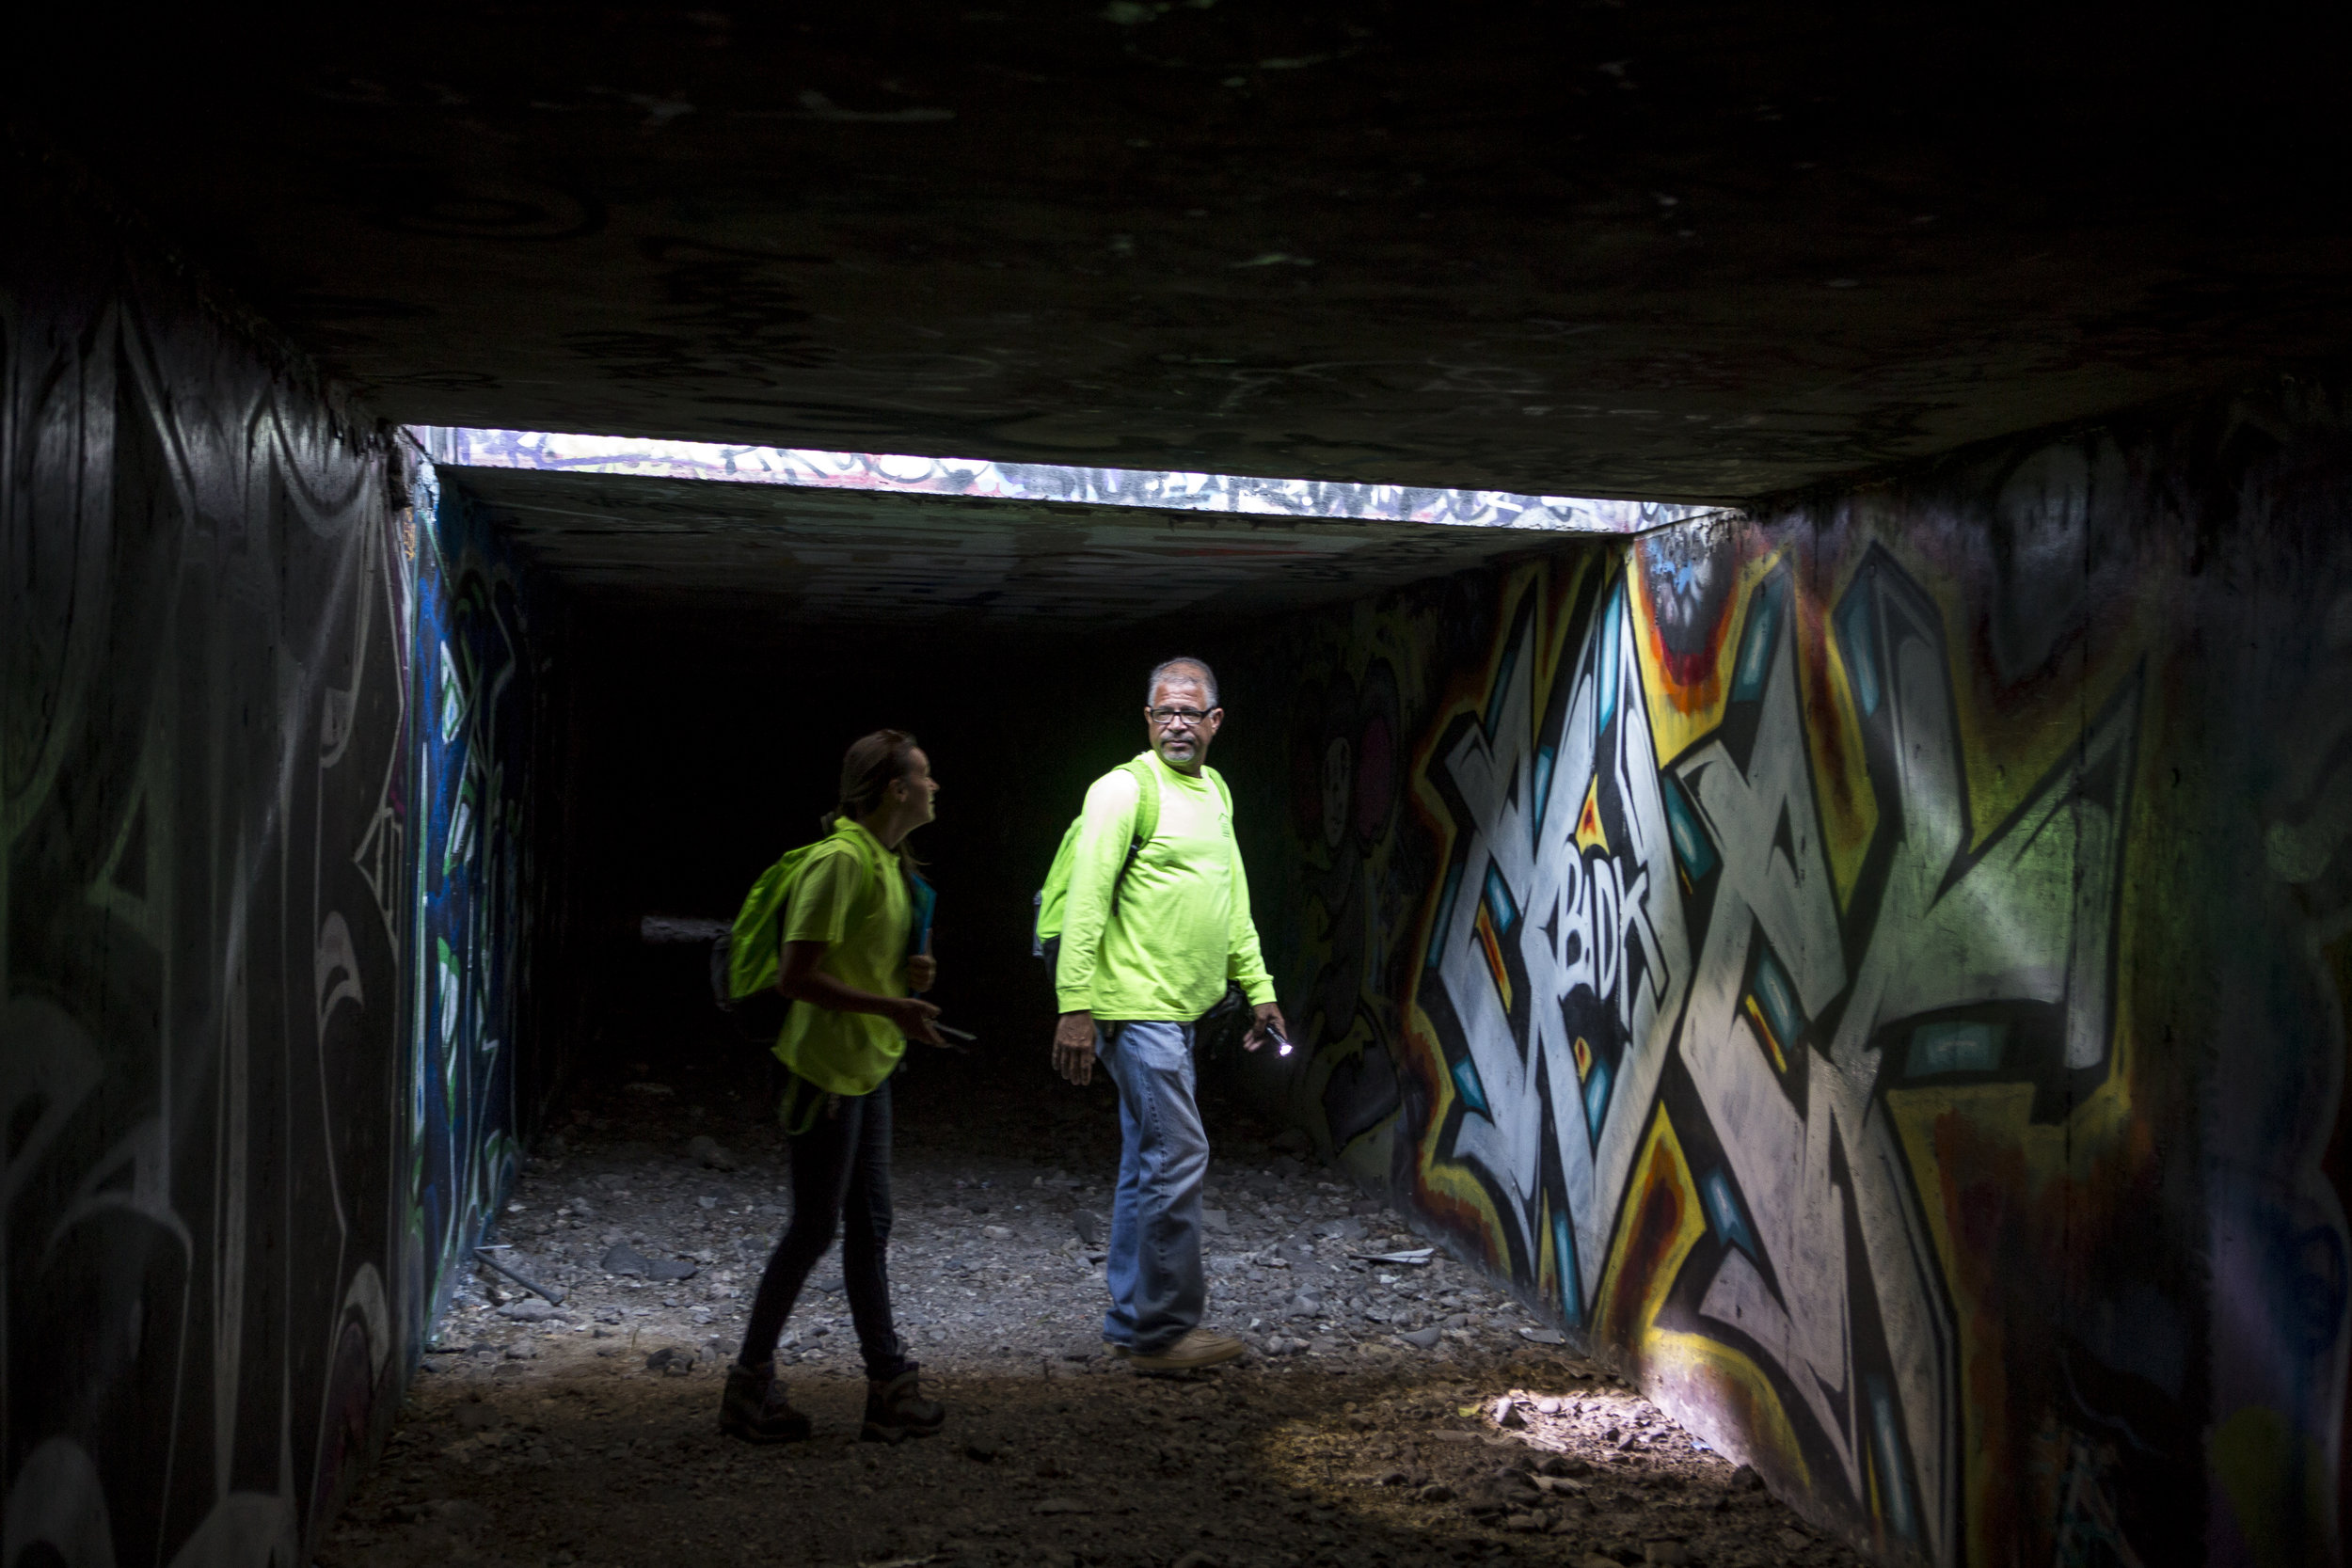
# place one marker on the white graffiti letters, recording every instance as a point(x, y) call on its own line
point(1559, 955)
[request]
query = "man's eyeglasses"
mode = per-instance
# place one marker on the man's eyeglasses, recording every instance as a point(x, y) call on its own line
point(1165, 716)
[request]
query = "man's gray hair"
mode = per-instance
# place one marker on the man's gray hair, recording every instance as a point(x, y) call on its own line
point(1183, 664)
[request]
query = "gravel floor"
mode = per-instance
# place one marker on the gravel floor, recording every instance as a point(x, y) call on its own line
point(1390, 1411)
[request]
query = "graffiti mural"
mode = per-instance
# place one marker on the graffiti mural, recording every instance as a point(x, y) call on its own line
point(1607, 911)
point(1775, 951)
point(204, 814)
point(478, 695)
point(1347, 776)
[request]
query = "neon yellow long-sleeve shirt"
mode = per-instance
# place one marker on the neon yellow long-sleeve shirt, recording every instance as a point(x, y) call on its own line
point(1181, 928)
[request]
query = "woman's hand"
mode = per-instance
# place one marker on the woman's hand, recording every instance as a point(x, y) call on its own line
point(799, 979)
point(922, 973)
point(913, 1018)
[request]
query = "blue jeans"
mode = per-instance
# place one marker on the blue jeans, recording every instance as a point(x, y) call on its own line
point(1158, 1287)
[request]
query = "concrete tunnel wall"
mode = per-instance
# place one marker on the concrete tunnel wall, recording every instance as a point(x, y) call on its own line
point(268, 732)
point(1879, 972)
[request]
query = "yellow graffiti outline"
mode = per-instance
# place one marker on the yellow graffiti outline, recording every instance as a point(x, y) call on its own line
point(2008, 742)
point(1671, 1352)
point(1547, 1256)
point(1848, 827)
point(1673, 729)
point(1674, 1351)
point(1693, 1226)
point(1914, 1113)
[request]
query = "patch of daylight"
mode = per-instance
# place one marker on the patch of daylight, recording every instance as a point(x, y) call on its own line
point(1332, 500)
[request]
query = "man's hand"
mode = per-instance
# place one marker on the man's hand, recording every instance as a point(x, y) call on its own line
point(1265, 1023)
point(922, 973)
point(913, 1017)
point(1074, 1046)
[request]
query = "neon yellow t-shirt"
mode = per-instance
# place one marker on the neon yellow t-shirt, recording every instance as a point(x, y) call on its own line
point(851, 894)
point(1182, 927)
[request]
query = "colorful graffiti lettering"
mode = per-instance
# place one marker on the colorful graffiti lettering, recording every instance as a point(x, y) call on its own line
point(1776, 1000)
point(471, 913)
point(1607, 912)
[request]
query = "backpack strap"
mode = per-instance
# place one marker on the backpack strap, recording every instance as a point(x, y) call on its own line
point(1222, 792)
point(1146, 826)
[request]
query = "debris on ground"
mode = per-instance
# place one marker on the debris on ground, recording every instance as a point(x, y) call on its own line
point(1397, 1409)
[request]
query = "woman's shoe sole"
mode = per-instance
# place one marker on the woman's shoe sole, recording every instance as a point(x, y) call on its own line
point(1164, 1365)
point(753, 1434)
point(872, 1433)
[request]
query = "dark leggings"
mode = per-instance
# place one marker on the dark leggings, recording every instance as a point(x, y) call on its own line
point(840, 1171)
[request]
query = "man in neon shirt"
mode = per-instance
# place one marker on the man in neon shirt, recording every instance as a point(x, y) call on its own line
point(1145, 951)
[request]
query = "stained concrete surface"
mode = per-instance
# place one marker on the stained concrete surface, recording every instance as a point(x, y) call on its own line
point(857, 558)
point(1699, 251)
point(588, 1436)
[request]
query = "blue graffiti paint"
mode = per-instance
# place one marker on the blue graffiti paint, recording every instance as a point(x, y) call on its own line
point(1596, 1088)
point(1857, 641)
point(1471, 1087)
point(1887, 1449)
point(1722, 1211)
point(473, 881)
point(1606, 685)
point(1756, 645)
point(1501, 907)
point(1571, 1282)
point(1693, 848)
point(1445, 922)
point(1503, 684)
point(1777, 996)
point(1546, 757)
point(1968, 1045)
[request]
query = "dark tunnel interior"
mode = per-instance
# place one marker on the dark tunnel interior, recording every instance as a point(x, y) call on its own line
point(701, 759)
point(701, 736)
point(1780, 583)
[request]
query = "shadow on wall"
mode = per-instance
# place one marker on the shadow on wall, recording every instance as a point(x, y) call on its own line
point(220, 1225)
point(1788, 952)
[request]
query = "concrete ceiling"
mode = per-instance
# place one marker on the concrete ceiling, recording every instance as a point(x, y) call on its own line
point(1676, 251)
point(748, 553)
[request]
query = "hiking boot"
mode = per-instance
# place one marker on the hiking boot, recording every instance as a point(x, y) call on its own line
point(895, 1408)
point(1116, 1351)
point(754, 1409)
point(1198, 1348)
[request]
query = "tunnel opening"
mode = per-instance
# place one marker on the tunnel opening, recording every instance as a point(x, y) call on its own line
point(705, 645)
point(686, 636)
point(718, 620)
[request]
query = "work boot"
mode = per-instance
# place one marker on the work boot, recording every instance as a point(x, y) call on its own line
point(754, 1409)
point(895, 1408)
point(1198, 1348)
